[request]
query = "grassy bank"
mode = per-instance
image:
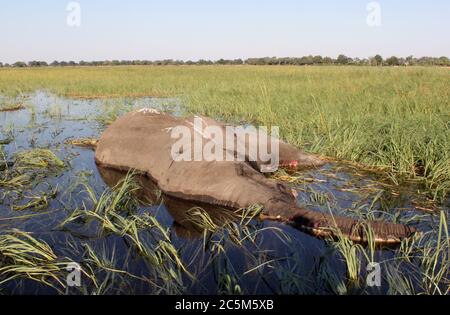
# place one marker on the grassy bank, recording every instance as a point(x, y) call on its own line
point(395, 119)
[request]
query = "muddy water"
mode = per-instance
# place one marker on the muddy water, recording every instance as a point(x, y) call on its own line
point(50, 121)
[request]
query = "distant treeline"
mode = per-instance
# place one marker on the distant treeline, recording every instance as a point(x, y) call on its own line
point(293, 61)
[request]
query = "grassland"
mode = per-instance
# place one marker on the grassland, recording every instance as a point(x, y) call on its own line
point(396, 120)
point(56, 210)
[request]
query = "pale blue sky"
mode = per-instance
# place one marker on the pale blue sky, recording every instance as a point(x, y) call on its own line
point(213, 29)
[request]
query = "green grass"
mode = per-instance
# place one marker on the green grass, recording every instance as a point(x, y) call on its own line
point(28, 169)
point(419, 266)
point(393, 119)
point(10, 105)
point(24, 257)
point(114, 212)
point(36, 159)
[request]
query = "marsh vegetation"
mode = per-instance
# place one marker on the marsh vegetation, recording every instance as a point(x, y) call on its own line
point(386, 133)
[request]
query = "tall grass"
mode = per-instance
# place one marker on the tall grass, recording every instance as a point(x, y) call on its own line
point(393, 119)
point(114, 211)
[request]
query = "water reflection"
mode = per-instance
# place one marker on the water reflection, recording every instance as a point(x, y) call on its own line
point(150, 195)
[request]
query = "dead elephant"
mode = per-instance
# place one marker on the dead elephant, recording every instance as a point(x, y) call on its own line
point(143, 141)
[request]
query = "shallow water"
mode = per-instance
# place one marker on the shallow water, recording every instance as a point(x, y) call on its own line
point(49, 121)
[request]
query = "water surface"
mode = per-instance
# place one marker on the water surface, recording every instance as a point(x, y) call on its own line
point(279, 251)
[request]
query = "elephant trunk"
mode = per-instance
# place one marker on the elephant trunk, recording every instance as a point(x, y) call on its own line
point(328, 226)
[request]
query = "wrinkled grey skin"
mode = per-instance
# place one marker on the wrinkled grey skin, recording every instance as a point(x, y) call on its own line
point(142, 141)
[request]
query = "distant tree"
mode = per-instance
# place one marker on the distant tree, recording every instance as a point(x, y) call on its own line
point(393, 61)
point(1, 64)
point(444, 61)
point(410, 60)
point(328, 60)
point(250, 61)
point(364, 62)
point(221, 62)
point(306, 60)
point(401, 61)
point(203, 62)
point(378, 60)
point(19, 64)
point(425, 61)
point(37, 64)
point(293, 61)
point(317, 60)
point(342, 60)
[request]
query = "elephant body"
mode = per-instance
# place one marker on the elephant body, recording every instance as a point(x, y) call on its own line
point(143, 141)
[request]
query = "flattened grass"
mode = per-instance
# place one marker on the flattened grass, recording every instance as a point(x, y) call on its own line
point(37, 158)
point(22, 256)
point(10, 105)
point(28, 169)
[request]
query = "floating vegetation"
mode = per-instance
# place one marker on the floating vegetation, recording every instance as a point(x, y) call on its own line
point(37, 158)
point(28, 170)
point(34, 203)
point(17, 182)
point(24, 257)
point(5, 141)
point(11, 107)
point(5, 165)
point(83, 142)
